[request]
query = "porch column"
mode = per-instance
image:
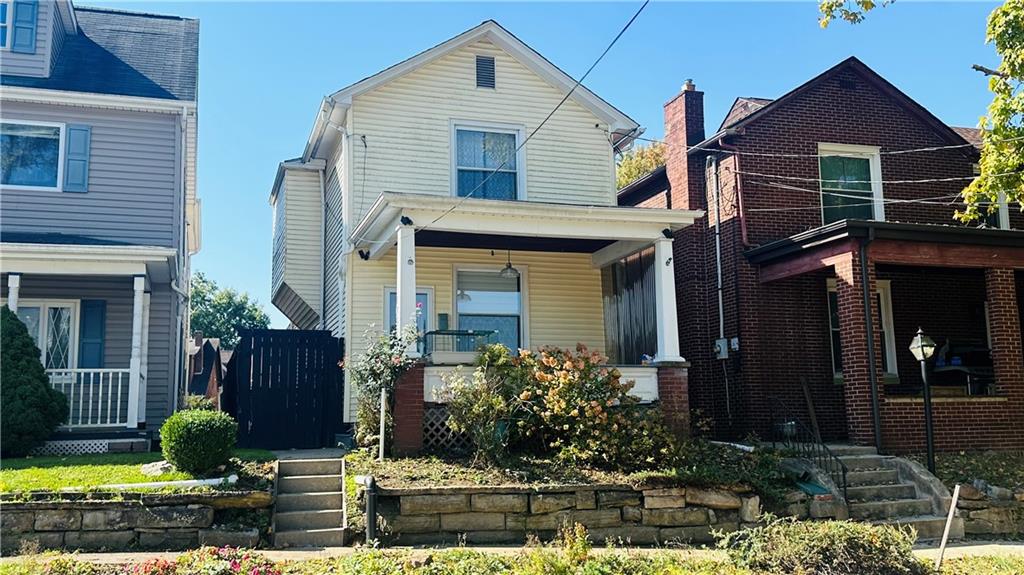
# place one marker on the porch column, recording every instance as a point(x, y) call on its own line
point(405, 305)
point(853, 337)
point(1005, 331)
point(665, 298)
point(135, 364)
point(144, 362)
point(13, 287)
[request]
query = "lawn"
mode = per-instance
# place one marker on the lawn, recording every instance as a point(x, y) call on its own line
point(1000, 468)
point(90, 471)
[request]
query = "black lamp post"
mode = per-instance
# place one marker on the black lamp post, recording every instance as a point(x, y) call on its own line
point(923, 348)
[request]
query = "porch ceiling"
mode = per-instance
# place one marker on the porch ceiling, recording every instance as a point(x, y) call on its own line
point(582, 227)
point(891, 243)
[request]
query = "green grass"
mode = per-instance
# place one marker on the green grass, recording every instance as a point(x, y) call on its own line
point(90, 471)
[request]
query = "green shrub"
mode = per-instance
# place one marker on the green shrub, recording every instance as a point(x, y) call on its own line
point(200, 402)
point(379, 367)
point(834, 547)
point(197, 441)
point(31, 409)
point(478, 409)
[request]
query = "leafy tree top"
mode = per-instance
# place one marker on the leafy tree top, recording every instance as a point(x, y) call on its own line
point(638, 162)
point(217, 311)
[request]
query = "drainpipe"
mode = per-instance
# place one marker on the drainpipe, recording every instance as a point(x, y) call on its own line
point(868, 323)
point(739, 190)
point(323, 245)
point(371, 505)
point(711, 164)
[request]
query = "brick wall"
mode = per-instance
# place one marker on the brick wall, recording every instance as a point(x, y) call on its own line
point(408, 414)
point(674, 397)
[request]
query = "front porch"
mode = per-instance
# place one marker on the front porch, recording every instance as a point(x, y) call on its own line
point(883, 281)
point(88, 307)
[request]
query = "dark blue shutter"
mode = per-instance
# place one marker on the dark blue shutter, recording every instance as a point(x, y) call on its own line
point(76, 158)
point(23, 26)
point(91, 332)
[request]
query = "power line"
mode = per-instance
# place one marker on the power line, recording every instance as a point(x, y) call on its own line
point(921, 181)
point(515, 152)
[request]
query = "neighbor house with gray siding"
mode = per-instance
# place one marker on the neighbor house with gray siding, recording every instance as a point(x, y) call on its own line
point(98, 209)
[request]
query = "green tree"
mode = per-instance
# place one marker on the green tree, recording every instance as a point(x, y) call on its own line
point(1002, 152)
point(31, 409)
point(216, 311)
point(638, 162)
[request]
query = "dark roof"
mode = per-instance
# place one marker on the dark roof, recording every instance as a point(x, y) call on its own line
point(644, 187)
point(972, 135)
point(742, 108)
point(125, 53)
point(54, 238)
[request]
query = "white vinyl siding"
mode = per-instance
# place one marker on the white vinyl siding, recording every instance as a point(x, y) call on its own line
point(334, 302)
point(407, 126)
point(297, 255)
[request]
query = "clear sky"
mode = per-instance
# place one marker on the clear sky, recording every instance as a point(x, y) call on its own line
point(265, 66)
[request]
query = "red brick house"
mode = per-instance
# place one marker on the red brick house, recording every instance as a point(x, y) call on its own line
point(829, 239)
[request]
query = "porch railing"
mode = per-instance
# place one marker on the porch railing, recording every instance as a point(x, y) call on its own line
point(793, 435)
point(96, 397)
point(452, 340)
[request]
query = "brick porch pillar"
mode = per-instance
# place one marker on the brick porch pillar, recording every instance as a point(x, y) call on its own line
point(408, 414)
point(853, 338)
point(1005, 330)
point(674, 395)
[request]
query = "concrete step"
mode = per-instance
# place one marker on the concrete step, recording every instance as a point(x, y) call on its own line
point(890, 509)
point(315, 519)
point(872, 477)
point(289, 467)
point(928, 527)
point(309, 483)
point(840, 450)
point(333, 537)
point(308, 501)
point(865, 462)
point(881, 492)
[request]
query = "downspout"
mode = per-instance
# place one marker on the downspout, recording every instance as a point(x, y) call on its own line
point(323, 242)
point(711, 164)
point(181, 318)
point(868, 323)
point(739, 190)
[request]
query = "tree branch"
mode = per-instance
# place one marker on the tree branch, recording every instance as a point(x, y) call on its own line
point(988, 71)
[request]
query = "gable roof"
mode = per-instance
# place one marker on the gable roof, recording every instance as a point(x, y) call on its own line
point(125, 53)
point(972, 135)
point(620, 124)
point(869, 75)
point(742, 108)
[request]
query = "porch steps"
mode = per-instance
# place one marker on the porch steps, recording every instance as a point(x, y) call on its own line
point(308, 511)
point(885, 491)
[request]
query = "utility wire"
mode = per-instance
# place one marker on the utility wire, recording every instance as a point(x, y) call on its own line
point(921, 181)
point(514, 153)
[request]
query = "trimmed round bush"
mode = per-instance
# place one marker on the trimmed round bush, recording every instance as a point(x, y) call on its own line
point(32, 409)
point(197, 441)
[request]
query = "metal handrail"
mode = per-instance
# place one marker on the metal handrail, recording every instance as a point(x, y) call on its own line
point(793, 434)
point(456, 339)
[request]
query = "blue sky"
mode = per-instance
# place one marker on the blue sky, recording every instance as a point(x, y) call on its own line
point(265, 66)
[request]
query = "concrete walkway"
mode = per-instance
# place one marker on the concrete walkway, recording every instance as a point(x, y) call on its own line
point(965, 549)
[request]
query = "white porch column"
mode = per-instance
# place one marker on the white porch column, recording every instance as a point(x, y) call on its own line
point(13, 287)
point(144, 362)
point(135, 364)
point(665, 297)
point(405, 305)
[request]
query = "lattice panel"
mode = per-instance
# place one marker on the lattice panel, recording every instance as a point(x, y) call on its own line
point(437, 436)
point(73, 447)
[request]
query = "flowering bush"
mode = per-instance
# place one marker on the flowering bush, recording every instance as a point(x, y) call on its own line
point(154, 566)
point(225, 561)
point(380, 366)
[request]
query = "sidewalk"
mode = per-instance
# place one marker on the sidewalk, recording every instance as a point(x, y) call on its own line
point(963, 549)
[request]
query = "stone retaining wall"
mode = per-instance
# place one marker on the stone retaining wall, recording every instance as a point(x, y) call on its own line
point(990, 510)
point(507, 514)
point(158, 522)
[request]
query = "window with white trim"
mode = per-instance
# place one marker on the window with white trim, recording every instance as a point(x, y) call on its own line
point(486, 162)
point(484, 300)
point(851, 186)
point(6, 14)
point(423, 298)
point(31, 154)
point(53, 325)
point(884, 333)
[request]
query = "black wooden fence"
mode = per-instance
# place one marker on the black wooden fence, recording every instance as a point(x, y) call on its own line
point(285, 388)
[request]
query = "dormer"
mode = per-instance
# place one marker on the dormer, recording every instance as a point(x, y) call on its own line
point(32, 33)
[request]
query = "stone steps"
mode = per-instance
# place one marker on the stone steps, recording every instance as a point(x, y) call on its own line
point(844, 450)
point(333, 537)
point(309, 501)
point(309, 484)
point(881, 492)
point(293, 467)
point(890, 509)
point(311, 519)
point(872, 477)
point(865, 462)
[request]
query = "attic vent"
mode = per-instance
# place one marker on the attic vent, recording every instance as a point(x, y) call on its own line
point(847, 83)
point(484, 72)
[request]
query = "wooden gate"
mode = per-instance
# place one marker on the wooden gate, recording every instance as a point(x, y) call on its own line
point(285, 388)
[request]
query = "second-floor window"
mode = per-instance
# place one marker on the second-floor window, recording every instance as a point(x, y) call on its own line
point(31, 154)
point(851, 186)
point(5, 23)
point(487, 163)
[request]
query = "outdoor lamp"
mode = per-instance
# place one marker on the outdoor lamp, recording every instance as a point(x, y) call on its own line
point(923, 347)
point(509, 272)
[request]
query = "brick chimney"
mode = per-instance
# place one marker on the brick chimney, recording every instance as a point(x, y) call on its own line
point(684, 127)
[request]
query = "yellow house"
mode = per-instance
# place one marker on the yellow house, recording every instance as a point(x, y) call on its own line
point(457, 191)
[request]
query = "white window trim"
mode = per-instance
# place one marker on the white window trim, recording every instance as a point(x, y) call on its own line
point(386, 309)
point(874, 157)
point(524, 299)
point(10, 27)
point(43, 304)
point(884, 290)
point(517, 129)
point(60, 154)
point(1004, 212)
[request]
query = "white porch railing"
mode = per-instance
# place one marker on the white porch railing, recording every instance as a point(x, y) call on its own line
point(96, 397)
